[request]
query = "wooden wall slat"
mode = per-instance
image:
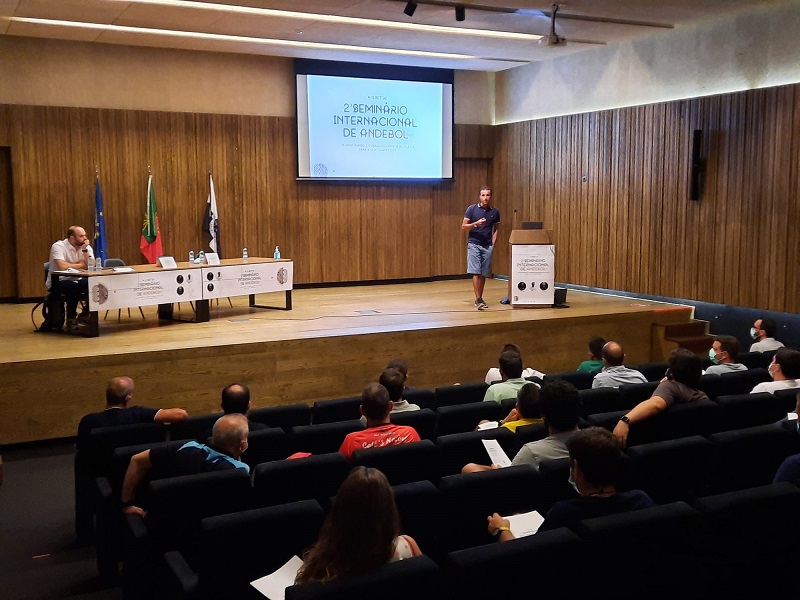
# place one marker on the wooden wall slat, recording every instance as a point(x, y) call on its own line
point(632, 225)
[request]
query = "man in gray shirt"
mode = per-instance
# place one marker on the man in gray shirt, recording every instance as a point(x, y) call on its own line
point(723, 354)
point(615, 373)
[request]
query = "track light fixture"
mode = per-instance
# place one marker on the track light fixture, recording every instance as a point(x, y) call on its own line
point(411, 6)
point(461, 13)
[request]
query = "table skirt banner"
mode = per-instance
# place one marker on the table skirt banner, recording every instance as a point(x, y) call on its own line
point(225, 281)
point(122, 290)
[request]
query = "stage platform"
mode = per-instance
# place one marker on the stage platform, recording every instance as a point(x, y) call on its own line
point(335, 341)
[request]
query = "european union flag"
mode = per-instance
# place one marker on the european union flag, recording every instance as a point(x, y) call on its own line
point(99, 244)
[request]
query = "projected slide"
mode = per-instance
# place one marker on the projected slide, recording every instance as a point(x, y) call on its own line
point(372, 128)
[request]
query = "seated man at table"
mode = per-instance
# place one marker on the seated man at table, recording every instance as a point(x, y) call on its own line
point(119, 393)
point(376, 406)
point(73, 252)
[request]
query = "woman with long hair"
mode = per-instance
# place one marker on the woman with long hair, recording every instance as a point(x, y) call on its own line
point(361, 532)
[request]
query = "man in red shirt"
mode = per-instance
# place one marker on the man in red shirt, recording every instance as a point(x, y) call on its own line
point(376, 406)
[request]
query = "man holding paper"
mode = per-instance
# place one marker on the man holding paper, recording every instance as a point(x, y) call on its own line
point(594, 455)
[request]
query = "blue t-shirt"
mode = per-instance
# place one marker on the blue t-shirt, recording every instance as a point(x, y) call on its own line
point(482, 236)
point(171, 460)
point(568, 513)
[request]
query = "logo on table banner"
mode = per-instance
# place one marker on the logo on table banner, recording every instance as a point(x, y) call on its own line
point(283, 275)
point(99, 293)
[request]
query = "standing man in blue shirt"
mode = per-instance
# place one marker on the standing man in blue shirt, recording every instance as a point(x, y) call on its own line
point(482, 221)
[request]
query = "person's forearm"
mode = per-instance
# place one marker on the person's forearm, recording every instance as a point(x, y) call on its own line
point(133, 477)
point(645, 410)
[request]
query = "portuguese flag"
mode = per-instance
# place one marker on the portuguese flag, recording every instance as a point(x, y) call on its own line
point(151, 233)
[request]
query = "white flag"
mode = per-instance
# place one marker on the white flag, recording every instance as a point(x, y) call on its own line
point(211, 219)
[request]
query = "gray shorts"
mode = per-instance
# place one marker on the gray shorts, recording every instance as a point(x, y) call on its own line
point(479, 260)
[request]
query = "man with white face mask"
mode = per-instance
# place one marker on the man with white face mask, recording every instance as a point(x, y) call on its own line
point(723, 354)
point(785, 372)
point(763, 332)
point(594, 455)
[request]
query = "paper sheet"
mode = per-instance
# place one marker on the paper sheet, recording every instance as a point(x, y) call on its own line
point(274, 585)
point(525, 523)
point(496, 453)
point(488, 425)
point(123, 269)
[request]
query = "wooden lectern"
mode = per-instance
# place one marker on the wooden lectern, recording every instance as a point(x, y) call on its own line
point(531, 280)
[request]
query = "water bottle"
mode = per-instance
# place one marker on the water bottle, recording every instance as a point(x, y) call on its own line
point(90, 264)
point(245, 258)
point(98, 264)
point(277, 254)
point(191, 256)
point(201, 257)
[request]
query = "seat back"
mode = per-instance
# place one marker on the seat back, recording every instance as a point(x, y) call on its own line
point(754, 360)
point(460, 418)
point(459, 394)
point(470, 498)
point(600, 400)
point(196, 427)
point(264, 445)
point(423, 421)
point(742, 382)
point(285, 417)
point(633, 393)
point(653, 371)
point(748, 410)
point(403, 463)
point(244, 546)
point(114, 262)
point(419, 504)
point(339, 409)
point(315, 477)
point(323, 438)
point(672, 470)
point(750, 457)
point(530, 433)
point(422, 398)
point(417, 577)
point(458, 449)
point(582, 380)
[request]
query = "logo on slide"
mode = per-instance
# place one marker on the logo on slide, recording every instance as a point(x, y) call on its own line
point(320, 170)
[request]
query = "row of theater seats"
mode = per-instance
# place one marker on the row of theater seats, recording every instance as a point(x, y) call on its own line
point(444, 514)
point(734, 545)
point(601, 407)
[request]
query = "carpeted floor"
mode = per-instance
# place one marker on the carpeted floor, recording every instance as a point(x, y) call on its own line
point(39, 559)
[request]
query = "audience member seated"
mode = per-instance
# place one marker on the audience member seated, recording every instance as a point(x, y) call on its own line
point(360, 533)
point(402, 366)
point(594, 455)
point(228, 443)
point(511, 373)
point(724, 353)
point(763, 333)
point(236, 400)
point(790, 468)
point(595, 362)
point(119, 392)
point(615, 373)
point(493, 374)
point(560, 404)
point(380, 432)
point(785, 372)
point(680, 385)
point(394, 381)
point(526, 412)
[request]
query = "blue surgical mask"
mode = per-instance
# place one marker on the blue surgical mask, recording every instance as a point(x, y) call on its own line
point(713, 357)
point(754, 333)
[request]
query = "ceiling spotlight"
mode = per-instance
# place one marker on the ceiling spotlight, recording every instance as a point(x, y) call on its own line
point(410, 8)
point(461, 13)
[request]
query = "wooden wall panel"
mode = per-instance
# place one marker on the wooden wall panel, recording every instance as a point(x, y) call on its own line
point(631, 225)
point(334, 232)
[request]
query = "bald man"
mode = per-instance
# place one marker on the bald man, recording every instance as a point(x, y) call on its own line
point(228, 443)
point(615, 373)
point(73, 252)
point(119, 393)
point(236, 399)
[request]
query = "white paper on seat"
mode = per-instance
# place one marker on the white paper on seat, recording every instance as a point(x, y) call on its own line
point(488, 425)
point(792, 416)
point(525, 524)
point(123, 269)
point(274, 585)
point(496, 453)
